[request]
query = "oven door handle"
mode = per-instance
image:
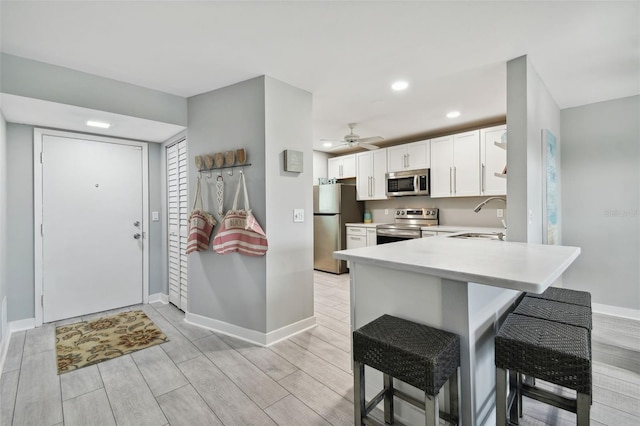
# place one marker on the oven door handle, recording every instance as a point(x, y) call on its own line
point(416, 188)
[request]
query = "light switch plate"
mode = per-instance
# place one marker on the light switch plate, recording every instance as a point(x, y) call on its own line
point(298, 215)
point(500, 212)
point(155, 216)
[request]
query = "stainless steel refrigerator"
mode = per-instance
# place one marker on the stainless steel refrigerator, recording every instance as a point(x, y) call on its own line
point(333, 207)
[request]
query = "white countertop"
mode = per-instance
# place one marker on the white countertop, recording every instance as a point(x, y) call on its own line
point(516, 266)
point(456, 228)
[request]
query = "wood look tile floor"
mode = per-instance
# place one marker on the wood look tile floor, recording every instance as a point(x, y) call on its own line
point(202, 378)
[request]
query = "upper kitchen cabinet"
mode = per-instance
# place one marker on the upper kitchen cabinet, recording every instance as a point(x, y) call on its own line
point(410, 156)
point(370, 179)
point(455, 165)
point(342, 167)
point(493, 157)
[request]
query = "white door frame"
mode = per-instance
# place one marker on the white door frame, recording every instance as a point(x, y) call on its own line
point(38, 134)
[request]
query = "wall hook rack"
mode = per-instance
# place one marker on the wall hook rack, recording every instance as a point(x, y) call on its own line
point(218, 170)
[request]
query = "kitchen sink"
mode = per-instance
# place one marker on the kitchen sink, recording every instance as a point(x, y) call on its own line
point(498, 236)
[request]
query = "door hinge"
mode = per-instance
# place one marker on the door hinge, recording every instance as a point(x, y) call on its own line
point(42, 300)
point(40, 157)
point(41, 230)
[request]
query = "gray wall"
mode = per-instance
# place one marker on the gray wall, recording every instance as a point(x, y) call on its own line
point(290, 255)
point(20, 263)
point(20, 215)
point(33, 79)
point(265, 117)
point(601, 208)
point(319, 165)
point(156, 230)
point(230, 288)
point(3, 223)
point(530, 109)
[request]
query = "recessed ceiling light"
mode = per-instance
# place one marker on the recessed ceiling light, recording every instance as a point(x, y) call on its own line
point(99, 124)
point(453, 114)
point(327, 144)
point(399, 85)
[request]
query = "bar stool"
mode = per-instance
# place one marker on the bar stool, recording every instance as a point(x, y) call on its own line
point(559, 294)
point(554, 352)
point(417, 354)
point(562, 312)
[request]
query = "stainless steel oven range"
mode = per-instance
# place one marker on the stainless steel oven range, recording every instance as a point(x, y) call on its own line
point(407, 225)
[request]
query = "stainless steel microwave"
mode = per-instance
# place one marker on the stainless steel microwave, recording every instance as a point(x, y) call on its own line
point(410, 182)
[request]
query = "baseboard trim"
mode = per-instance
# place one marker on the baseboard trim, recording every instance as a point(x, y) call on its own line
point(6, 334)
point(248, 335)
point(159, 297)
point(616, 311)
point(25, 324)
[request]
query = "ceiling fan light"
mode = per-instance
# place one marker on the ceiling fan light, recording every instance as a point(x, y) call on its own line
point(453, 114)
point(399, 85)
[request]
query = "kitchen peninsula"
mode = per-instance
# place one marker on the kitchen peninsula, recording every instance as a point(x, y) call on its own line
point(459, 285)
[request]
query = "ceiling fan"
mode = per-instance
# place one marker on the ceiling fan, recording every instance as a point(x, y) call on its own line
point(352, 140)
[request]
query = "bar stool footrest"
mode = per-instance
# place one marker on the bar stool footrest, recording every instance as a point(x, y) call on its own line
point(543, 395)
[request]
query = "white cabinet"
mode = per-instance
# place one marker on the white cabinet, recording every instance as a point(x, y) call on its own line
point(356, 237)
point(455, 165)
point(341, 167)
point(371, 167)
point(493, 160)
point(372, 238)
point(360, 236)
point(410, 156)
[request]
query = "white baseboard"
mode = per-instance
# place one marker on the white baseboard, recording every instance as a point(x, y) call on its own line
point(248, 335)
point(616, 311)
point(25, 324)
point(159, 297)
point(6, 334)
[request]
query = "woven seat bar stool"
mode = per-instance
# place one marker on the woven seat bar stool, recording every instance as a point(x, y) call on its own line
point(565, 313)
point(558, 294)
point(554, 352)
point(422, 356)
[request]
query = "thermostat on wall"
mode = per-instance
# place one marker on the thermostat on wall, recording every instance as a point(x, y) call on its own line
point(292, 161)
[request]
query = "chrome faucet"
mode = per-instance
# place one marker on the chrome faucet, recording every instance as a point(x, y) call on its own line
point(482, 204)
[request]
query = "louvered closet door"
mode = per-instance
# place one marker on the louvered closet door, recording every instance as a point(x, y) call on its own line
point(177, 199)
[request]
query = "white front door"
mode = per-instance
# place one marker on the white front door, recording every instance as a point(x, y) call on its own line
point(92, 231)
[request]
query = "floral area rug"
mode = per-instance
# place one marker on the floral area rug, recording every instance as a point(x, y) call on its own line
point(90, 342)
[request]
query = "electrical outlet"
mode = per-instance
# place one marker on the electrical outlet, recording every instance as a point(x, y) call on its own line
point(500, 212)
point(298, 215)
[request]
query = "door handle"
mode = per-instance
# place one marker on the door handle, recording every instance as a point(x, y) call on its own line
point(450, 180)
point(482, 178)
point(137, 236)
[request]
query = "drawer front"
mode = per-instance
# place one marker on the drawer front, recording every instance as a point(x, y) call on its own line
point(356, 230)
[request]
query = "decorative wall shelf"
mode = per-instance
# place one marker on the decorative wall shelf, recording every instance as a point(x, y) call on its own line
point(218, 170)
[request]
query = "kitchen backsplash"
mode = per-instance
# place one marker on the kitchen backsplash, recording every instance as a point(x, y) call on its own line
point(453, 211)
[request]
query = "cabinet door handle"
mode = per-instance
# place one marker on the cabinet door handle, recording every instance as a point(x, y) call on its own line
point(455, 180)
point(355, 238)
point(373, 184)
point(340, 170)
point(482, 178)
point(450, 180)
point(408, 164)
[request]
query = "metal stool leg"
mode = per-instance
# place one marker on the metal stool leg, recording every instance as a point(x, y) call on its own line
point(453, 398)
point(431, 410)
point(358, 393)
point(583, 409)
point(514, 386)
point(388, 399)
point(501, 397)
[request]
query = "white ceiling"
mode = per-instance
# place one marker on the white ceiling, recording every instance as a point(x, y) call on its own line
point(453, 54)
